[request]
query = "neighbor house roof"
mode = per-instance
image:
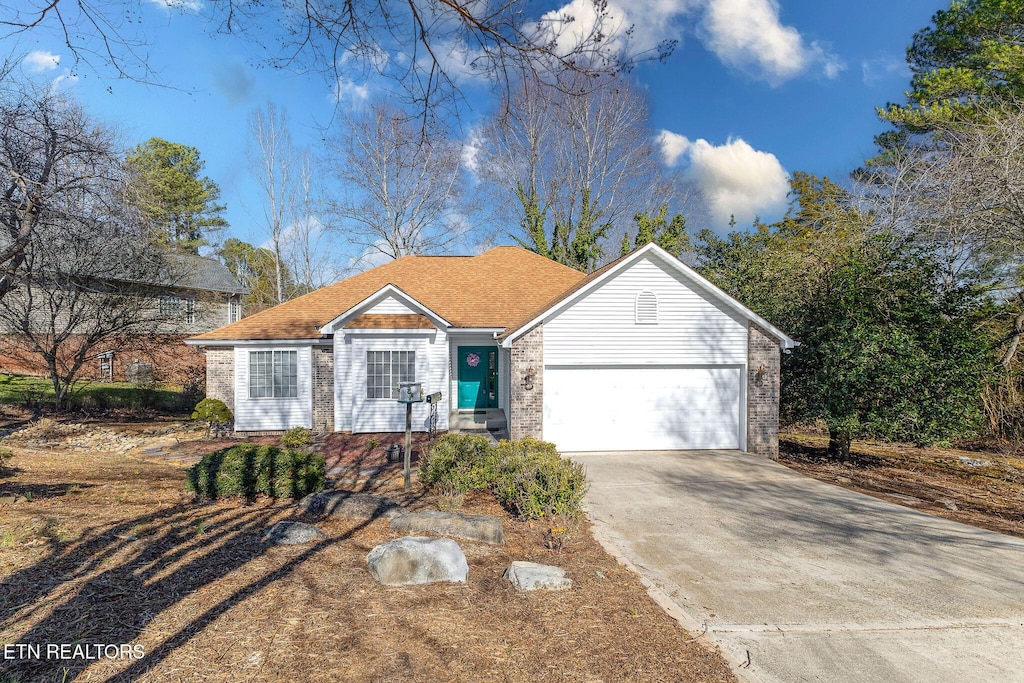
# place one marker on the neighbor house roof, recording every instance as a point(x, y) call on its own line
point(497, 289)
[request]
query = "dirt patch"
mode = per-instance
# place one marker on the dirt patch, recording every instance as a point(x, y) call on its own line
point(111, 550)
point(984, 489)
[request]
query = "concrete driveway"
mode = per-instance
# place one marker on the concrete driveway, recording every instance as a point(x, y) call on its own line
point(807, 581)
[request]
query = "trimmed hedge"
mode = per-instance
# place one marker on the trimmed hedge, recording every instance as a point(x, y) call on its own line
point(528, 477)
point(250, 470)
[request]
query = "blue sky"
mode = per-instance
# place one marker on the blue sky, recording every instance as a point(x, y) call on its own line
point(756, 89)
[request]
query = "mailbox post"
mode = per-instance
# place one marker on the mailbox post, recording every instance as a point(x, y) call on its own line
point(409, 393)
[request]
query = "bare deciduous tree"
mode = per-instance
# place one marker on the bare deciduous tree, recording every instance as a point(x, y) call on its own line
point(427, 47)
point(79, 272)
point(308, 239)
point(51, 155)
point(573, 166)
point(271, 162)
point(399, 186)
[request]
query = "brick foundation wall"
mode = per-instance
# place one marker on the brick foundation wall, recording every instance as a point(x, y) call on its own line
point(220, 374)
point(323, 389)
point(526, 414)
point(763, 376)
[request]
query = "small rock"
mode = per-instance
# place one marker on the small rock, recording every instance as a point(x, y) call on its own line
point(417, 559)
point(7, 500)
point(349, 504)
point(530, 576)
point(293, 533)
point(486, 528)
point(949, 503)
point(906, 500)
point(974, 462)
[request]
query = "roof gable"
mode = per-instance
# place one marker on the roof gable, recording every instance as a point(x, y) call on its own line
point(602, 275)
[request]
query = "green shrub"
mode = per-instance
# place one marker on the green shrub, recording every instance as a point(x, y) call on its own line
point(532, 480)
point(250, 469)
point(528, 477)
point(297, 437)
point(213, 412)
point(458, 463)
point(5, 457)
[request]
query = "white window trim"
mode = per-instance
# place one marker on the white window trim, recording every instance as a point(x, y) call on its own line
point(366, 373)
point(249, 395)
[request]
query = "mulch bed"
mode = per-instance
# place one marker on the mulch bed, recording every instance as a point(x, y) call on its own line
point(111, 550)
point(984, 489)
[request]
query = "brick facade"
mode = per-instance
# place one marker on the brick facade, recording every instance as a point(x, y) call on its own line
point(763, 375)
point(220, 374)
point(323, 388)
point(526, 414)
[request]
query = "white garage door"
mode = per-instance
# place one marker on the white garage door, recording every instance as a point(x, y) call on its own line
point(649, 408)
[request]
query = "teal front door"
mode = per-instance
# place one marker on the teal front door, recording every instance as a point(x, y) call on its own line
point(478, 377)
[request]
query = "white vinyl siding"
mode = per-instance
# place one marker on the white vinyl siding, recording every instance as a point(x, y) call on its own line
point(601, 328)
point(268, 413)
point(355, 412)
point(389, 306)
point(616, 379)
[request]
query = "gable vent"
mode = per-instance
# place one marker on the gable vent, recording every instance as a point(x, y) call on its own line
point(647, 308)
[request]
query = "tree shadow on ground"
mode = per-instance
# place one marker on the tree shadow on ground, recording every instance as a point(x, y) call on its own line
point(113, 582)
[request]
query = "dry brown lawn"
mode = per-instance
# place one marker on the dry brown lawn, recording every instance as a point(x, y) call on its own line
point(109, 549)
point(981, 488)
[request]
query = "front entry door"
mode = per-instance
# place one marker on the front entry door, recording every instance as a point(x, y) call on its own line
point(478, 377)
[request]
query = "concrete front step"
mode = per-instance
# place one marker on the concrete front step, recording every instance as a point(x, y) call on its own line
point(491, 420)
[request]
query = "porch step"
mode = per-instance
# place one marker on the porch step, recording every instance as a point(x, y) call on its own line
point(488, 423)
point(484, 420)
point(493, 437)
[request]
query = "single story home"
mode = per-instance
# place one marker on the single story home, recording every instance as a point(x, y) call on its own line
point(643, 354)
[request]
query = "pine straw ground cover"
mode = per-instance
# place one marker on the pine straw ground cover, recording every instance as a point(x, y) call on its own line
point(981, 488)
point(111, 550)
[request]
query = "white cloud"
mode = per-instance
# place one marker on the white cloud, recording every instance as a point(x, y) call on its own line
point(735, 179)
point(876, 70)
point(471, 148)
point(348, 91)
point(747, 35)
point(457, 60)
point(185, 5)
point(39, 61)
point(573, 24)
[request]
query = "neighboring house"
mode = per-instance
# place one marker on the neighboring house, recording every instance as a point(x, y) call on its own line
point(197, 294)
point(641, 354)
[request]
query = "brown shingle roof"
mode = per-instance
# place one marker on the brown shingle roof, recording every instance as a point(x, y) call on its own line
point(391, 321)
point(498, 288)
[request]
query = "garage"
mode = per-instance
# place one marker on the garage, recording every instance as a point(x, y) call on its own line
point(623, 408)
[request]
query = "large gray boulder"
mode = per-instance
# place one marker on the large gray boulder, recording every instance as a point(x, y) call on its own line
point(293, 533)
point(417, 559)
point(530, 576)
point(349, 504)
point(486, 528)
